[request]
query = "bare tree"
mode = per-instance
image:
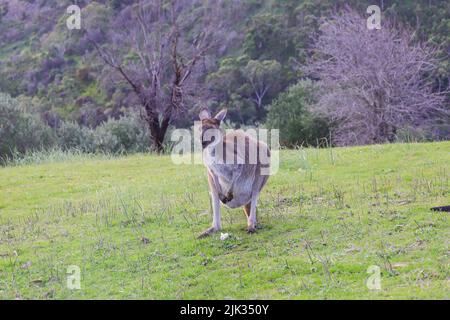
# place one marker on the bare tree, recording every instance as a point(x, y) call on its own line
point(158, 47)
point(375, 81)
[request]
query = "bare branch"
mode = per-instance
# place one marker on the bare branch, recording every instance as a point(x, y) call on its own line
point(376, 81)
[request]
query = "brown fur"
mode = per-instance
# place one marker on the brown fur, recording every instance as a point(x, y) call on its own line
point(234, 184)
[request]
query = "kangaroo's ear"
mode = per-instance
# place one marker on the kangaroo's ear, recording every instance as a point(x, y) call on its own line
point(204, 114)
point(221, 115)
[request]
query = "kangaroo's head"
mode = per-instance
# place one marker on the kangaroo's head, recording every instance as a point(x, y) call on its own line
point(210, 126)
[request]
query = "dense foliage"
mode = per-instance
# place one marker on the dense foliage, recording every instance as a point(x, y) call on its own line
point(22, 131)
point(291, 113)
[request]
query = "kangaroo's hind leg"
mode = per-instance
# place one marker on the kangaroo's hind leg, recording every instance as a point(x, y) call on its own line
point(247, 209)
point(251, 219)
point(216, 225)
point(250, 208)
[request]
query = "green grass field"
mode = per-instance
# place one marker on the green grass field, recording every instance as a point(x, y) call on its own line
point(130, 224)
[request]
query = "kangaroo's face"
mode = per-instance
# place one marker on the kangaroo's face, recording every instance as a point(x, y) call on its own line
point(210, 127)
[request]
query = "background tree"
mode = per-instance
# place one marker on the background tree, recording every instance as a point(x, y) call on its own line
point(291, 114)
point(169, 44)
point(229, 89)
point(376, 81)
point(244, 86)
point(264, 78)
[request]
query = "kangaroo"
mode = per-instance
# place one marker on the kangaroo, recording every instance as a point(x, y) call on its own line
point(234, 164)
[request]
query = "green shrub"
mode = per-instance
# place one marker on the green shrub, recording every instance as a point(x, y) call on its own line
point(71, 136)
point(290, 113)
point(21, 131)
point(126, 135)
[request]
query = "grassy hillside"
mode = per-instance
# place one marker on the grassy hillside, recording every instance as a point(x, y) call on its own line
point(130, 224)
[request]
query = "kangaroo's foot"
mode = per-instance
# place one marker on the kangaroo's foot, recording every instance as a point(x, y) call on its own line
point(251, 229)
point(207, 233)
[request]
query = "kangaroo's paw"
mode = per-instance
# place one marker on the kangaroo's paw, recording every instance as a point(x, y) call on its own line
point(207, 233)
point(222, 198)
point(225, 199)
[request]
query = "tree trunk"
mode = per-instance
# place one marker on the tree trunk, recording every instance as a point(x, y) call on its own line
point(158, 131)
point(386, 133)
point(259, 111)
point(157, 143)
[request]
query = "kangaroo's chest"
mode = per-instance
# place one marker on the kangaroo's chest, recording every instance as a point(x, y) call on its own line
point(226, 175)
